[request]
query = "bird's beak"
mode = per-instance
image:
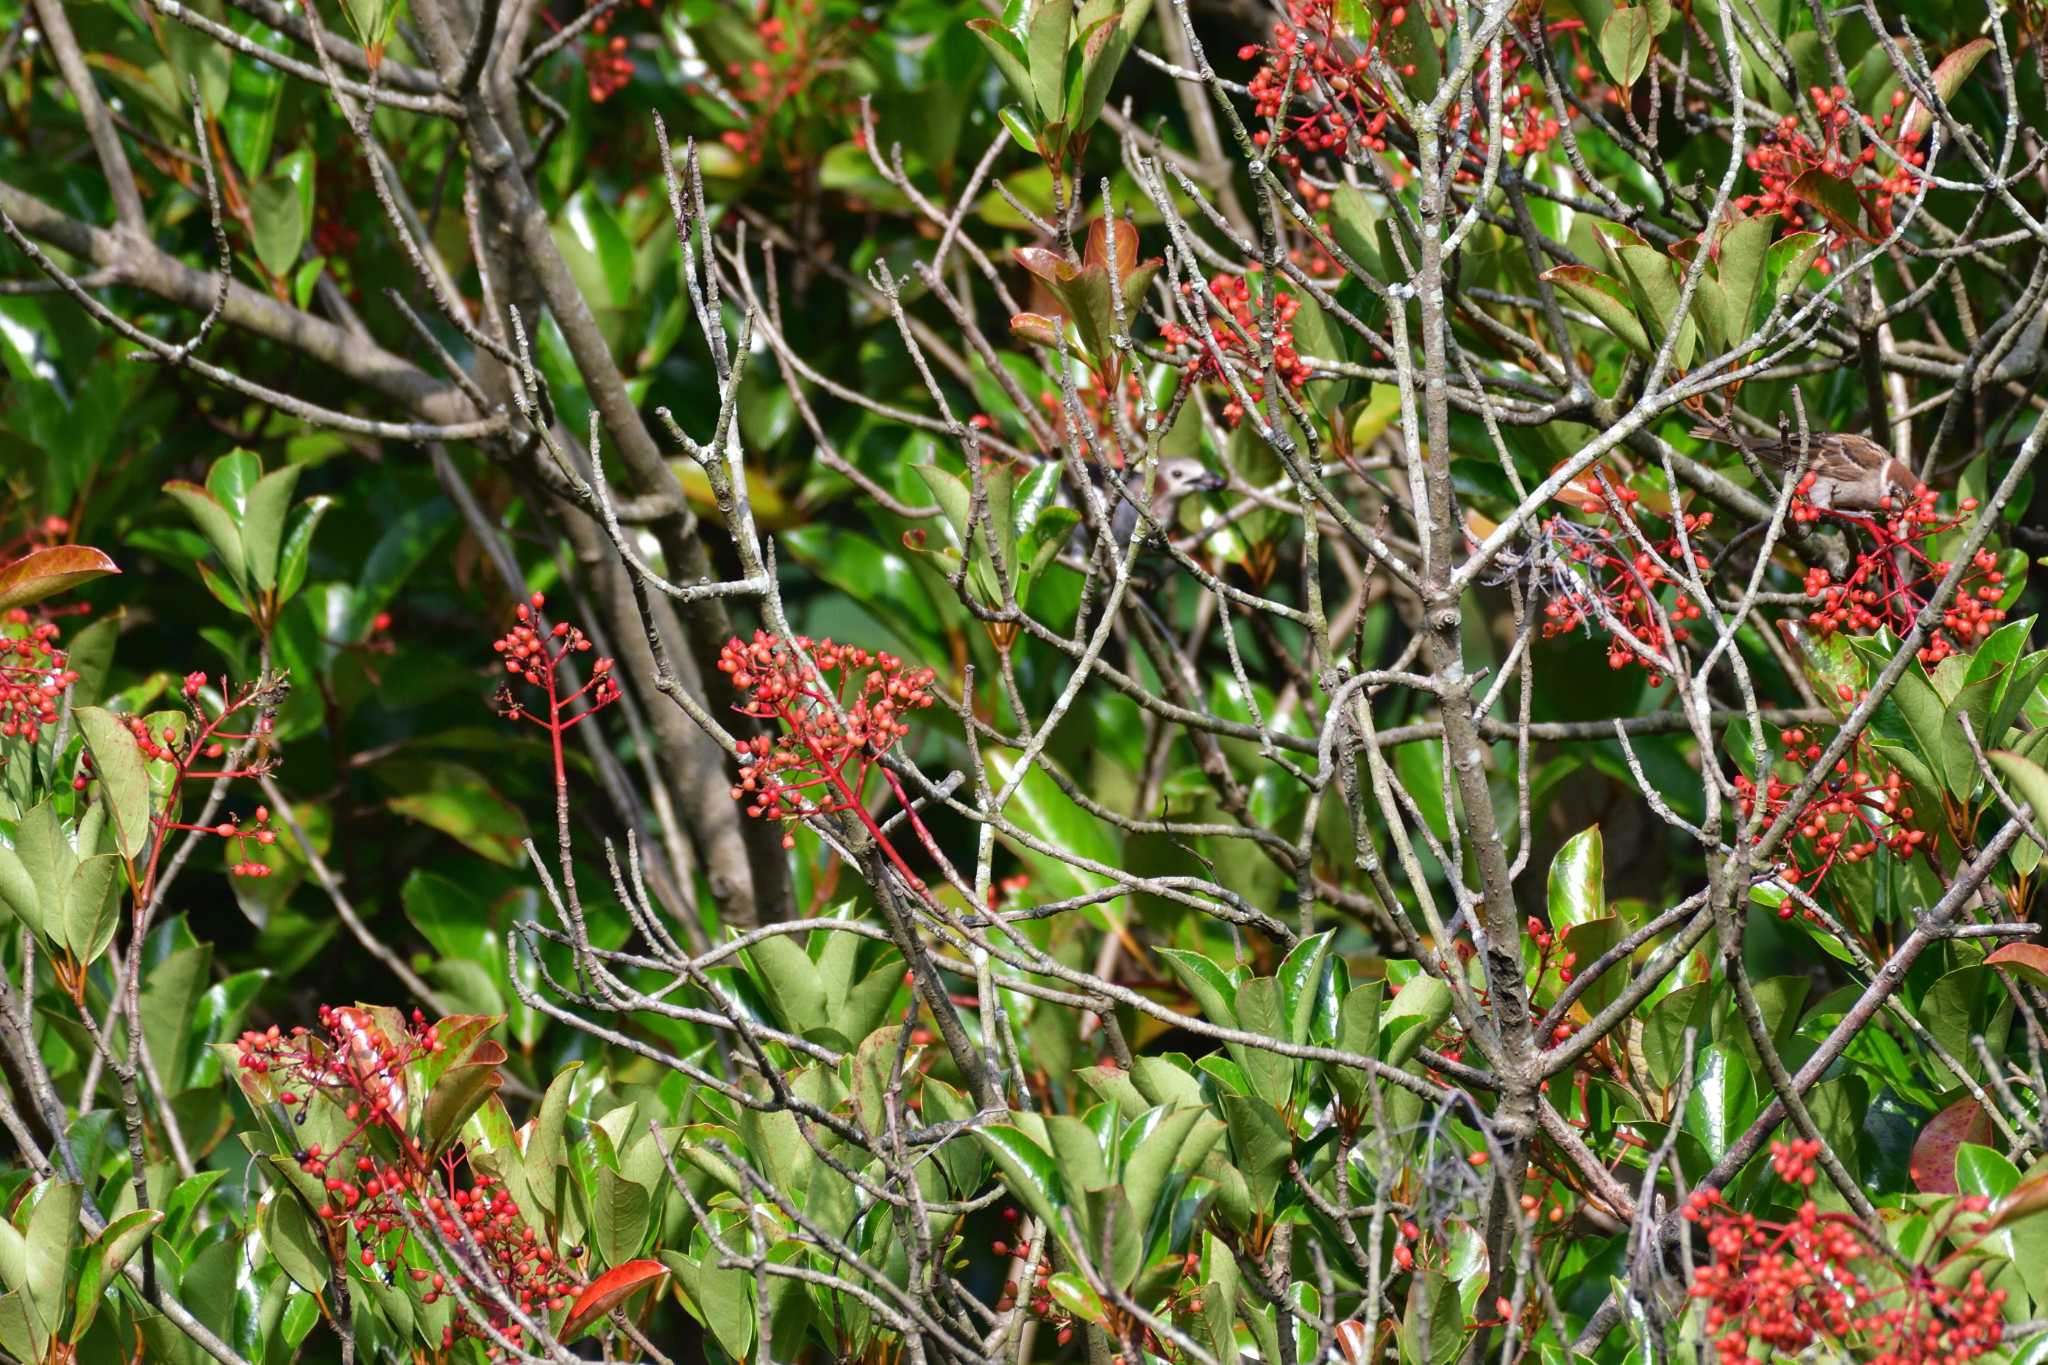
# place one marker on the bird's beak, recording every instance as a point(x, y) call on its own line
point(1208, 483)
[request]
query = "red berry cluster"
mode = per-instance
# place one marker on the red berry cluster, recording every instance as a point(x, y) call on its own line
point(1528, 126)
point(832, 732)
point(1407, 1236)
point(1787, 151)
point(801, 50)
point(1889, 583)
point(1039, 1304)
point(359, 1059)
point(606, 67)
point(1340, 97)
point(33, 676)
point(1236, 346)
point(1850, 817)
point(533, 651)
point(355, 1059)
point(1620, 582)
point(1547, 942)
point(1815, 1281)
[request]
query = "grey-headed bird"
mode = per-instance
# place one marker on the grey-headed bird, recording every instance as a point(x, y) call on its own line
point(1178, 476)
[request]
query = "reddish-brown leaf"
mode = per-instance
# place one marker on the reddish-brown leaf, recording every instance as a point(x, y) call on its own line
point(1035, 328)
point(2029, 1196)
point(42, 573)
point(1949, 76)
point(1934, 1152)
point(1045, 263)
point(2030, 960)
point(1097, 253)
point(607, 1292)
point(1836, 201)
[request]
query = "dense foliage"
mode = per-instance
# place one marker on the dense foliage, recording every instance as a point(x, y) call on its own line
point(1300, 680)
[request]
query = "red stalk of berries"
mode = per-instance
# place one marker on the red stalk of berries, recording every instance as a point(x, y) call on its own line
point(1342, 95)
point(833, 733)
point(1205, 358)
point(1622, 580)
point(1817, 1280)
point(1786, 152)
point(1890, 582)
point(1850, 817)
point(534, 652)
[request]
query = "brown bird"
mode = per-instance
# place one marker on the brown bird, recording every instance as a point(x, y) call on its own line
point(1851, 473)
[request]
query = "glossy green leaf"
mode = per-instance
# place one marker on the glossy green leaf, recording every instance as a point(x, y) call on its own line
point(118, 767)
point(1578, 874)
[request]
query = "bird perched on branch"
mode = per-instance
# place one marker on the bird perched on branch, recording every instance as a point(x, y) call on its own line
point(1178, 476)
point(1851, 473)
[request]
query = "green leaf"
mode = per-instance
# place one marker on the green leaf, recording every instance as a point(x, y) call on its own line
point(2025, 779)
point(1301, 978)
point(18, 892)
point(1027, 1169)
point(459, 1092)
point(1607, 300)
point(460, 803)
point(1042, 810)
point(1206, 981)
point(1741, 274)
point(91, 654)
point(1262, 1146)
point(1722, 1100)
point(103, 1260)
point(51, 1234)
point(1412, 42)
point(221, 528)
point(298, 546)
point(1653, 287)
point(171, 991)
point(1103, 53)
point(278, 223)
point(1072, 1293)
point(1625, 45)
point(1417, 1012)
point(91, 908)
point(1578, 889)
point(263, 524)
point(1788, 260)
point(1048, 29)
point(22, 1330)
point(1358, 1031)
point(791, 981)
point(1078, 1156)
point(1935, 737)
point(723, 1300)
point(619, 1210)
point(1166, 1142)
point(1259, 1011)
point(297, 1242)
point(1012, 60)
point(117, 764)
point(1433, 1328)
